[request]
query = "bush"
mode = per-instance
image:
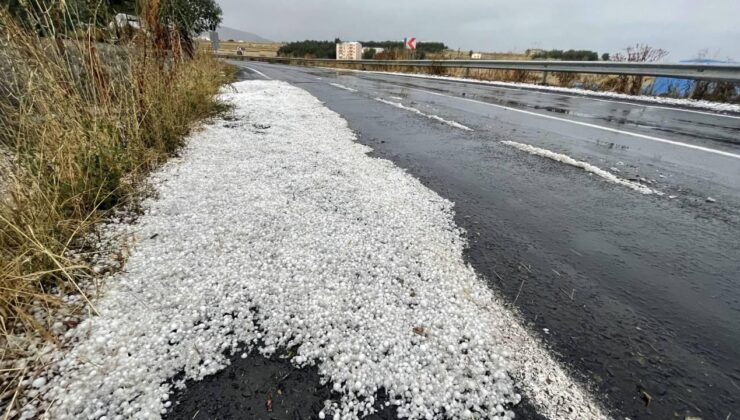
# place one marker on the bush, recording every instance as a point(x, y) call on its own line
point(368, 54)
point(566, 79)
point(570, 55)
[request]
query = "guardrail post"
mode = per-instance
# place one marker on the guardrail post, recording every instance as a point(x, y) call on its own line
point(544, 78)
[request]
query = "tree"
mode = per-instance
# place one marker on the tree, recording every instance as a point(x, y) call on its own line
point(188, 18)
point(122, 6)
point(49, 17)
point(327, 49)
point(310, 48)
point(570, 55)
point(69, 14)
point(605, 57)
point(368, 54)
point(638, 53)
point(192, 17)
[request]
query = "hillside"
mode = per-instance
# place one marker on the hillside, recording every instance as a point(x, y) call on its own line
point(225, 33)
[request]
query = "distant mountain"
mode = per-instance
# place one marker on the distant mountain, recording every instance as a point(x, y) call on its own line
point(225, 33)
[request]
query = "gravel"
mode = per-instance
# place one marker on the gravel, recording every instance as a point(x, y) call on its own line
point(292, 236)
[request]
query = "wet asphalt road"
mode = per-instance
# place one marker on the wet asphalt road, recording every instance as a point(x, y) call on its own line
point(640, 294)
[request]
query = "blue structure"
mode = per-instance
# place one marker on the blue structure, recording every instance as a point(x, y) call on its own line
point(679, 87)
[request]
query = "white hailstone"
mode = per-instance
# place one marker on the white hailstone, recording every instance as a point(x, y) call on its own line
point(311, 243)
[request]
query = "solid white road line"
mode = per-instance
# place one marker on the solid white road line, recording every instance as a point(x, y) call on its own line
point(713, 114)
point(599, 127)
point(559, 157)
point(258, 72)
point(535, 89)
point(584, 124)
point(418, 112)
point(556, 93)
point(337, 85)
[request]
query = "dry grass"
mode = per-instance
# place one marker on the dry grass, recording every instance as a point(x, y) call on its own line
point(83, 122)
point(253, 49)
point(465, 55)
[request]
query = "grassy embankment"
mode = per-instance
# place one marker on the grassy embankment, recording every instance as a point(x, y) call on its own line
point(82, 122)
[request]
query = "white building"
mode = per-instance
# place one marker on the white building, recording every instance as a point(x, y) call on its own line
point(349, 51)
point(378, 50)
point(476, 56)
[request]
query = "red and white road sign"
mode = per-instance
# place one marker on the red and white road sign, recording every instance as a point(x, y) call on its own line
point(411, 43)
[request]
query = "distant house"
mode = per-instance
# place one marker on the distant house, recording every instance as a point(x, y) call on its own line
point(476, 56)
point(349, 51)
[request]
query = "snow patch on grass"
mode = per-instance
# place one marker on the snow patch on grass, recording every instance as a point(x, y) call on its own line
point(291, 235)
point(416, 111)
point(559, 157)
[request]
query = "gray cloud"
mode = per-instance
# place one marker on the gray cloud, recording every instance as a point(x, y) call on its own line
point(682, 27)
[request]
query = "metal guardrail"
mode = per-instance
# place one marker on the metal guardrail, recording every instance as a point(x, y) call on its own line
point(709, 72)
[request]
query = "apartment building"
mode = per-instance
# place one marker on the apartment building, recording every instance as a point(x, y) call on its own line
point(349, 51)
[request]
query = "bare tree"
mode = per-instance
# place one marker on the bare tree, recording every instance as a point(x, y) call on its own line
point(715, 91)
point(702, 54)
point(638, 53)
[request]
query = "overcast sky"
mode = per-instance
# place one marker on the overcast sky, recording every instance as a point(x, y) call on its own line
point(683, 27)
